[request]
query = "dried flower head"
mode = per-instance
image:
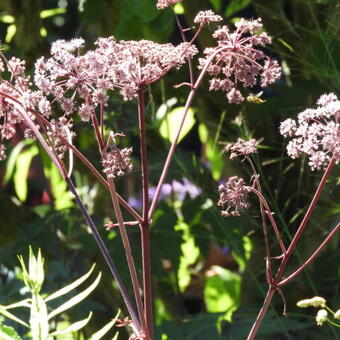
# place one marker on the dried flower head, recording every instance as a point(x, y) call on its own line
point(237, 59)
point(321, 317)
point(316, 301)
point(233, 194)
point(241, 148)
point(116, 162)
point(206, 17)
point(316, 132)
point(161, 4)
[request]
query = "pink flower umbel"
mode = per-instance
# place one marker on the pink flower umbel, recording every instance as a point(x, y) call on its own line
point(241, 148)
point(206, 17)
point(161, 4)
point(238, 59)
point(316, 132)
point(233, 194)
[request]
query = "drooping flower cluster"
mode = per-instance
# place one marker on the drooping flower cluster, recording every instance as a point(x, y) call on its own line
point(241, 148)
point(206, 17)
point(116, 162)
point(316, 132)
point(237, 59)
point(233, 195)
point(161, 4)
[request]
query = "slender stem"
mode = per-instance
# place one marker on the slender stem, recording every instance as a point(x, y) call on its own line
point(311, 258)
point(145, 229)
point(143, 153)
point(180, 27)
point(147, 278)
point(179, 129)
point(105, 254)
point(292, 246)
point(269, 276)
point(306, 218)
point(83, 210)
point(270, 216)
point(128, 253)
point(262, 313)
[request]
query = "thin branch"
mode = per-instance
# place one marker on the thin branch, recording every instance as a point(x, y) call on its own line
point(311, 258)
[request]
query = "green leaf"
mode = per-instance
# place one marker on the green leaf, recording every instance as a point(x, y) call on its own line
point(51, 12)
point(20, 177)
point(11, 30)
point(76, 299)
point(10, 165)
point(62, 197)
point(8, 333)
point(235, 6)
point(99, 334)
point(71, 286)
point(222, 290)
point(170, 123)
point(9, 315)
point(216, 4)
point(7, 19)
point(22, 303)
point(190, 254)
point(73, 327)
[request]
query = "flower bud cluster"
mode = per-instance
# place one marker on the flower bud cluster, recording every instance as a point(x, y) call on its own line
point(116, 162)
point(233, 195)
point(316, 132)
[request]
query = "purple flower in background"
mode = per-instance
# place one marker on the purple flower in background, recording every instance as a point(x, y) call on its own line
point(178, 188)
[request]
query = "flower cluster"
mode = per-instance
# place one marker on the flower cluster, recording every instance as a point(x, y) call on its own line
point(315, 133)
point(116, 162)
point(241, 148)
point(233, 194)
point(17, 89)
point(322, 314)
point(123, 65)
point(236, 59)
point(316, 301)
point(206, 17)
point(161, 4)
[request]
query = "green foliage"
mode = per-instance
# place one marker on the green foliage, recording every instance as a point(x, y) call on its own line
point(39, 320)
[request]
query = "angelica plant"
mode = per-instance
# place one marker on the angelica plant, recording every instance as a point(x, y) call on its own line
point(75, 83)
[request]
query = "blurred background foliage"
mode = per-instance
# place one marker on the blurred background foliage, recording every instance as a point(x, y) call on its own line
point(208, 271)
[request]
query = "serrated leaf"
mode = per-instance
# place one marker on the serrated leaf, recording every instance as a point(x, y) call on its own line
point(169, 124)
point(21, 171)
point(74, 327)
point(99, 334)
point(71, 286)
point(76, 299)
point(9, 315)
point(8, 333)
